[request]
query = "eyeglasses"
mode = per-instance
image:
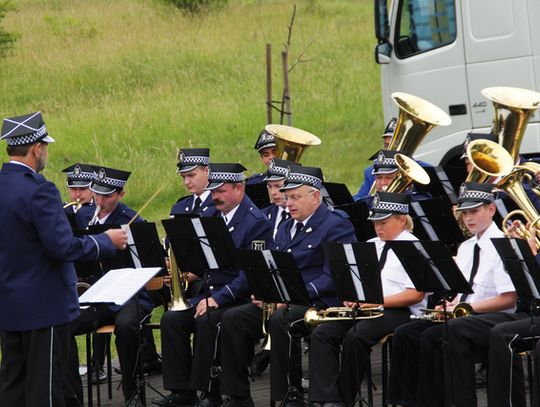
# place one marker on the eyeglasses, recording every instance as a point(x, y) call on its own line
point(296, 197)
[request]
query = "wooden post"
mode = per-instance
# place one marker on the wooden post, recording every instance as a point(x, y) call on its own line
point(286, 101)
point(268, 83)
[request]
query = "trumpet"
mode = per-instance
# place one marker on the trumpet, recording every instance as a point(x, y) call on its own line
point(179, 284)
point(268, 310)
point(462, 309)
point(75, 204)
point(314, 317)
point(95, 216)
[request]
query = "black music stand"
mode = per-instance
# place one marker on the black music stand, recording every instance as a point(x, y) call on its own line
point(355, 271)
point(432, 269)
point(274, 277)
point(258, 193)
point(358, 215)
point(335, 194)
point(440, 184)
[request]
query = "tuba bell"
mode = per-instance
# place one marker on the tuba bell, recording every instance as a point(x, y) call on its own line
point(513, 109)
point(489, 160)
point(408, 171)
point(291, 141)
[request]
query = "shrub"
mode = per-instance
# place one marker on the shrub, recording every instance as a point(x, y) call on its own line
point(6, 39)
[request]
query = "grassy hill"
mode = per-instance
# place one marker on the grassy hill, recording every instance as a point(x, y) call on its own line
point(125, 83)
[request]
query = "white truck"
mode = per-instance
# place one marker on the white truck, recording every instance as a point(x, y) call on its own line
point(447, 51)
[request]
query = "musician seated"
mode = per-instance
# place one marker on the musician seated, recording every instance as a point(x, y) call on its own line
point(356, 338)
point(108, 189)
point(416, 374)
point(266, 146)
point(277, 211)
point(79, 177)
point(190, 365)
point(311, 223)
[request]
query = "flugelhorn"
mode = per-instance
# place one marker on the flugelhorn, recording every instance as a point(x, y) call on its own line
point(314, 317)
point(179, 284)
point(513, 109)
point(461, 309)
point(291, 142)
point(76, 205)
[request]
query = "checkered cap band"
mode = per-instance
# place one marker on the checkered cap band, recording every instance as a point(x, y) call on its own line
point(82, 175)
point(113, 182)
point(476, 196)
point(298, 178)
point(225, 177)
point(195, 160)
point(28, 138)
point(391, 207)
point(387, 162)
point(277, 170)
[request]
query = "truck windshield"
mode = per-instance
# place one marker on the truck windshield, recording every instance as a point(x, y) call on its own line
point(424, 25)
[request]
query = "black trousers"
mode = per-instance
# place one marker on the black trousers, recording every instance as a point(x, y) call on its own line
point(33, 367)
point(505, 376)
point(287, 328)
point(469, 343)
point(405, 366)
point(127, 321)
point(536, 390)
point(241, 327)
point(356, 339)
point(185, 368)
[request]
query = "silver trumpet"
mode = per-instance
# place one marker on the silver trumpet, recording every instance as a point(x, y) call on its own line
point(95, 216)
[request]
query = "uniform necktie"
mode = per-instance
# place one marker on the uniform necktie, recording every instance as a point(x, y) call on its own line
point(284, 215)
point(299, 227)
point(384, 254)
point(474, 270)
point(197, 205)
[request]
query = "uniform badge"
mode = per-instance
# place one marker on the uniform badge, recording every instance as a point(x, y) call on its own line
point(376, 200)
point(462, 189)
point(231, 229)
point(258, 245)
point(181, 156)
point(380, 157)
point(77, 171)
point(309, 230)
point(102, 175)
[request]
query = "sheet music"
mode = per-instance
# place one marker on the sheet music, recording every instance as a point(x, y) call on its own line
point(118, 286)
point(278, 281)
point(355, 274)
point(435, 269)
point(528, 276)
point(205, 244)
point(132, 248)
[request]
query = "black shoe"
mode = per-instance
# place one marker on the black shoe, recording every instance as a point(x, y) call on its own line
point(259, 363)
point(134, 402)
point(175, 400)
point(237, 402)
point(153, 367)
point(334, 404)
point(209, 402)
point(99, 376)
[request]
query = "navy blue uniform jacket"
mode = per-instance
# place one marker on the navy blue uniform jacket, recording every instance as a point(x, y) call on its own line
point(185, 204)
point(37, 248)
point(248, 224)
point(324, 226)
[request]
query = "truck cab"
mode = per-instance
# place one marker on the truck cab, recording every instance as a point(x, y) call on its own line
point(447, 51)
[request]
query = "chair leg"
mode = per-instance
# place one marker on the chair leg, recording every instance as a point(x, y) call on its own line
point(369, 384)
point(530, 374)
point(89, 369)
point(384, 372)
point(109, 366)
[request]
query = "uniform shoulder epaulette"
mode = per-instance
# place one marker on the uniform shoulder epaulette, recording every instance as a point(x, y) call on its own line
point(183, 197)
point(340, 213)
point(40, 179)
point(256, 212)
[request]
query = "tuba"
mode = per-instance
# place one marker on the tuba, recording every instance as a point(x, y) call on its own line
point(513, 109)
point(291, 142)
point(314, 317)
point(179, 283)
point(461, 309)
point(408, 171)
point(489, 160)
point(417, 117)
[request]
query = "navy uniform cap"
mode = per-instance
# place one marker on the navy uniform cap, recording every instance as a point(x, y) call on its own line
point(277, 170)
point(190, 158)
point(265, 140)
point(384, 162)
point(221, 173)
point(108, 180)
point(390, 128)
point(24, 130)
point(79, 175)
point(477, 136)
point(474, 194)
point(386, 204)
point(299, 175)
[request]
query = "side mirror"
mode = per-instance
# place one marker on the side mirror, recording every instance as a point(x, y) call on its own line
point(383, 52)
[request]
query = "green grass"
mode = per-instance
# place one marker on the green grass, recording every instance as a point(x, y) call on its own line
point(125, 83)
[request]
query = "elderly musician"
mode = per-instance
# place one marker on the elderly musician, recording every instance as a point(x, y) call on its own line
point(416, 376)
point(108, 188)
point(38, 295)
point(391, 222)
point(191, 366)
point(310, 224)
